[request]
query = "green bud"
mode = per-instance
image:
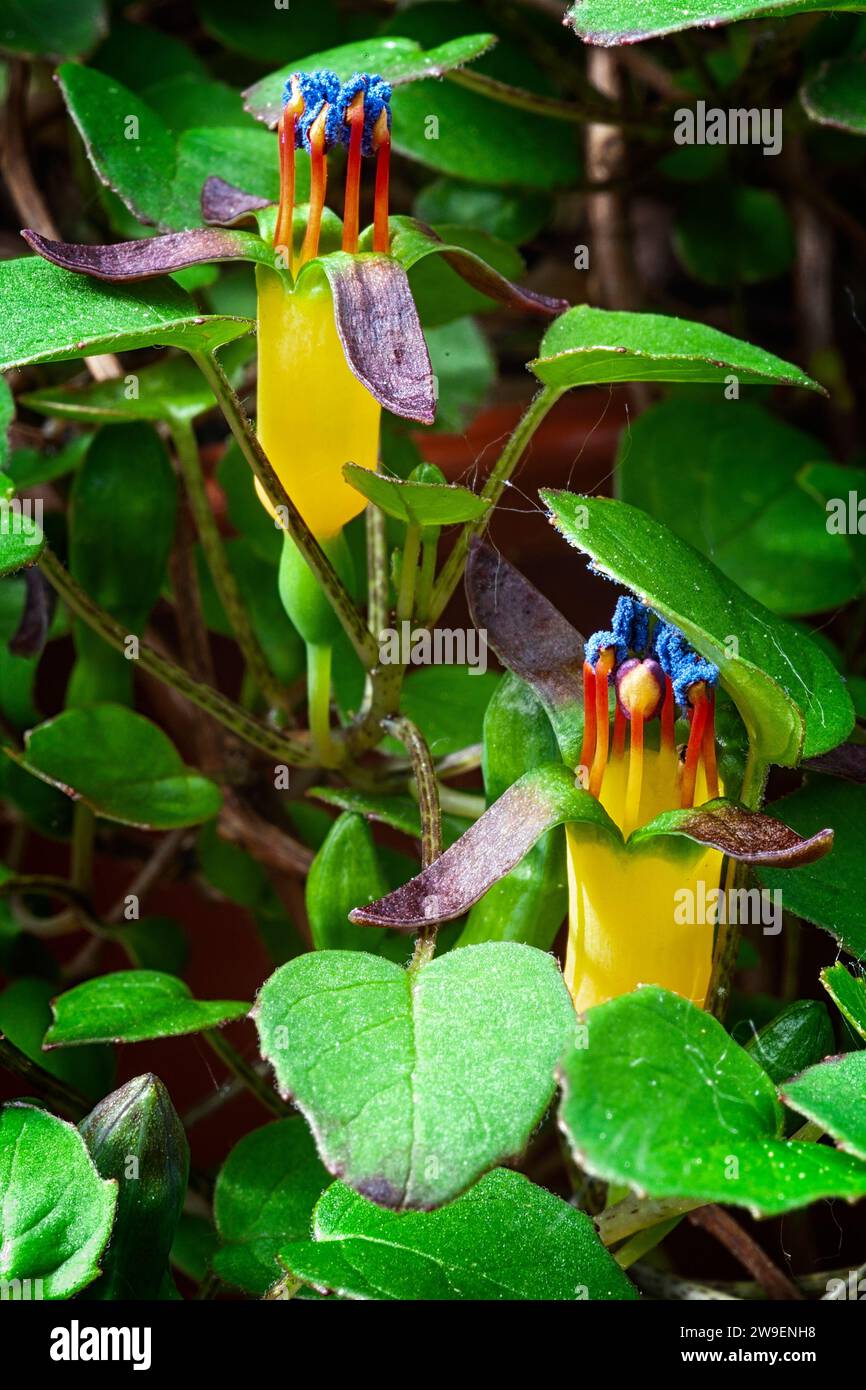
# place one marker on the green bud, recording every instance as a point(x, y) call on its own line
point(302, 596)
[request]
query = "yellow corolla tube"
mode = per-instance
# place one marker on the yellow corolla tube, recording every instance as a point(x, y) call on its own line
point(314, 415)
point(638, 912)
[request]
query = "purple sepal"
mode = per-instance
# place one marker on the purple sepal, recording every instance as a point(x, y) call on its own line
point(223, 205)
point(142, 260)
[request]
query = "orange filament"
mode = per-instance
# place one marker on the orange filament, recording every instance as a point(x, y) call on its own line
point(318, 186)
point(619, 723)
point(587, 748)
point(382, 142)
point(603, 668)
point(355, 119)
point(701, 705)
point(635, 774)
point(286, 138)
point(708, 750)
point(668, 735)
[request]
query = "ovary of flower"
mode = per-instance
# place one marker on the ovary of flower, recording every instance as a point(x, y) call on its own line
point(314, 415)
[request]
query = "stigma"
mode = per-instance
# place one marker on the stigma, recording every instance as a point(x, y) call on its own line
point(319, 112)
point(650, 668)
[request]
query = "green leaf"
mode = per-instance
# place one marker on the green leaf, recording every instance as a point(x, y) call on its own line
point(122, 766)
point(727, 236)
point(682, 1111)
point(25, 1015)
point(172, 386)
point(55, 1210)
point(397, 60)
point(138, 55)
point(422, 504)
point(587, 346)
point(504, 1239)
point(448, 703)
point(726, 476)
point(21, 538)
point(624, 21)
point(510, 216)
point(833, 1095)
point(345, 874)
point(136, 1138)
point(464, 370)
point(264, 1197)
point(53, 314)
point(791, 699)
point(29, 467)
point(432, 1076)
point(43, 29)
point(828, 892)
point(134, 1006)
point(836, 94)
point(7, 415)
point(798, 1036)
point(848, 993)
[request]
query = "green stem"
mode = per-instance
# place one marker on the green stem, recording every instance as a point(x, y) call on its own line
point(377, 573)
point(424, 588)
point(431, 819)
point(636, 1214)
point(319, 701)
point(642, 1242)
point(186, 450)
point(279, 746)
point(83, 836)
point(459, 803)
point(505, 465)
point(245, 1073)
point(243, 431)
point(409, 573)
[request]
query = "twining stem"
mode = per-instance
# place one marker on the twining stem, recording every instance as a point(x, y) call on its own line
point(240, 1068)
point(59, 1094)
point(505, 465)
point(319, 703)
point(377, 573)
point(720, 1224)
point(409, 573)
point(243, 431)
point(279, 746)
point(431, 818)
point(727, 944)
point(186, 451)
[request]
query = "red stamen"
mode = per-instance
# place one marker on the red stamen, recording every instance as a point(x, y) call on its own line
point(318, 186)
point(709, 750)
point(355, 118)
point(587, 749)
point(603, 668)
point(283, 229)
point(382, 141)
point(699, 712)
point(619, 723)
point(668, 735)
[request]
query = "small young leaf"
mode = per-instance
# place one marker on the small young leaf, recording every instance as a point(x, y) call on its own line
point(433, 1075)
point(133, 1006)
point(123, 766)
point(504, 1239)
point(423, 504)
point(264, 1197)
point(833, 1095)
point(800, 1035)
point(848, 993)
point(55, 1209)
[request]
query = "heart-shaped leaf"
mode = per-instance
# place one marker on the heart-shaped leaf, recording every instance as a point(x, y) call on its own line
point(123, 766)
point(397, 60)
point(416, 1082)
point(682, 1111)
point(422, 504)
point(55, 1209)
point(504, 1239)
point(828, 892)
point(587, 346)
point(791, 699)
point(833, 1095)
point(133, 1006)
point(848, 993)
point(836, 94)
point(52, 315)
point(264, 1197)
point(627, 21)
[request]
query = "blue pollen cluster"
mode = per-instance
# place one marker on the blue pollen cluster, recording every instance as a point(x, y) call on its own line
point(324, 87)
point(629, 632)
point(678, 661)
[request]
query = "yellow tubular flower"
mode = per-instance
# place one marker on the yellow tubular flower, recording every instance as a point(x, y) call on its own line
point(314, 415)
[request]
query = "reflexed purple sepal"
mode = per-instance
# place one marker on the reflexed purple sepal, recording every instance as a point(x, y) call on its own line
point(486, 280)
point(381, 333)
point(848, 761)
point(749, 836)
point(223, 205)
point(542, 799)
point(141, 260)
point(531, 638)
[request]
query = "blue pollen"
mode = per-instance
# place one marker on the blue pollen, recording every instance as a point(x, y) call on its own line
point(324, 86)
point(680, 662)
point(629, 632)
